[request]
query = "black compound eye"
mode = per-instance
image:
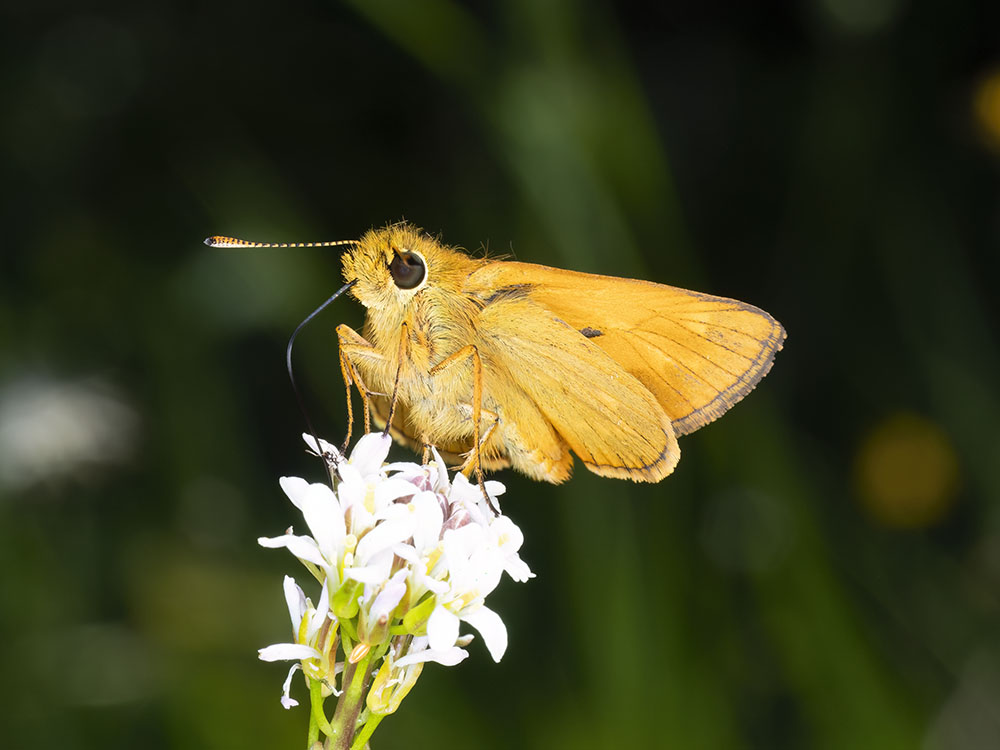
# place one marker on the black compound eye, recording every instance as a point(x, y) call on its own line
point(407, 270)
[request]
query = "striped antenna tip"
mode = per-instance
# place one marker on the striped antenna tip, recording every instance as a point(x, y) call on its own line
point(217, 240)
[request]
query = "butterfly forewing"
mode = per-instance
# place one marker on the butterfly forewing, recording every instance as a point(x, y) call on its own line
point(696, 353)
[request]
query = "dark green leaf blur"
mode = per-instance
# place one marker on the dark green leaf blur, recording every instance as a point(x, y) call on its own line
point(822, 570)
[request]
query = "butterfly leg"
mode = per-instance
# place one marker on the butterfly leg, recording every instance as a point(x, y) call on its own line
point(404, 338)
point(470, 352)
point(469, 462)
point(354, 348)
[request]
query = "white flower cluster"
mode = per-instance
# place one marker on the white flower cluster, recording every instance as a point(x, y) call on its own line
point(403, 556)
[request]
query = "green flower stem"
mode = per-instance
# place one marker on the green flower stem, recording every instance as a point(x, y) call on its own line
point(366, 732)
point(355, 681)
point(317, 719)
point(313, 737)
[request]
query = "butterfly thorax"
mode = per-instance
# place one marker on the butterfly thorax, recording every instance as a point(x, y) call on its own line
point(437, 324)
point(414, 329)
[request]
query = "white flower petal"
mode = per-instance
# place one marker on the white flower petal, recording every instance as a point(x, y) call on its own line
point(320, 614)
point(286, 700)
point(369, 574)
point(296, 601)
point(390, 595)
point(370, 452)
point(462, 543)
point(388, 491)
point(384, 536)
point(435, 586)
point(442, 628)
point(518, 570)
point(440, 471)
point(427, 522)
point(352, 480)
point(486, 567)
point(449, 657)
point(406, 552)
point(324, 448)
point(286, 651)
point(464, 491)
point(507, 534)
point(407, 467)
point(325, 518)
point(491, 628)
point(376, 571)
point(303, 547)
point(295, 488)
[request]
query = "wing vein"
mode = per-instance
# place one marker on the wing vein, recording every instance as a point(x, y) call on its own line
point(737, 375)
point(660, 377)
point(722, 327)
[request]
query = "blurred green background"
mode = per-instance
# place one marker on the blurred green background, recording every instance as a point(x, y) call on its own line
point(823, 569)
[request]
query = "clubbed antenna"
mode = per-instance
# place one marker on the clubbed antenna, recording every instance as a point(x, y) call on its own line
point(220, 241)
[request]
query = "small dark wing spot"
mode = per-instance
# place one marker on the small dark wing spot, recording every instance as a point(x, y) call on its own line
point(591, 333)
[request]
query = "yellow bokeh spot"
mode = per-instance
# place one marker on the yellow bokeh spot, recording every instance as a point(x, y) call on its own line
point(907, 472)
point(986, 105)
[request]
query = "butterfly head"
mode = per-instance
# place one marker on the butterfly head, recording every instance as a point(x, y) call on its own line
point(389, 267)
